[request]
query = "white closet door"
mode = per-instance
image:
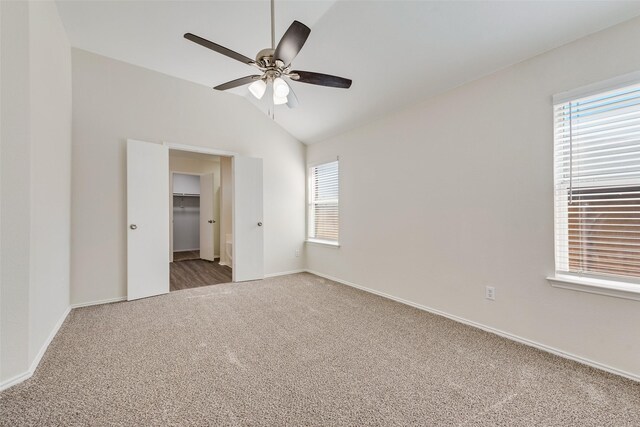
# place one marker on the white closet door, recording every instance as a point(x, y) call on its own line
point(248, 249)
point(206, 217)
point(147, 219)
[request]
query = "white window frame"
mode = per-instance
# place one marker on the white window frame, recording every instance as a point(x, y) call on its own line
point(627, 289)
point(309, 211)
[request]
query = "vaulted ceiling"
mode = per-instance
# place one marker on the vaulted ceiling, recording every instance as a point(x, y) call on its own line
point(396, 52)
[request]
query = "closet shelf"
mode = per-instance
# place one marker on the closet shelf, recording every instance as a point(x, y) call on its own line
point(186, 195)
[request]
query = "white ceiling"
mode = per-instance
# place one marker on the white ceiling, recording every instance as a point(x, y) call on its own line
point(396, 52)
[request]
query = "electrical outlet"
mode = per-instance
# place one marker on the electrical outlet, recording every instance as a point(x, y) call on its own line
point(490, 293)
point(297, 253)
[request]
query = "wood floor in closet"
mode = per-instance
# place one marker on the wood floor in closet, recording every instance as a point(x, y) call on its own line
point(194, 273)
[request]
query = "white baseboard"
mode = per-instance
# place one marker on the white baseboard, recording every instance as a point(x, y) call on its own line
point(284, 273)
point(104, 301)
point(16, 380)
point(490, 329)
point(36, 361)
point(50, 338)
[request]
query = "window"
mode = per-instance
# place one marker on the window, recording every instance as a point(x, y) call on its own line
point(323, 203)
point(597, 185)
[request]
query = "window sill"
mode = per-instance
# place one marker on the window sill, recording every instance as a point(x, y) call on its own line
point(329, 243)
point(596, 286)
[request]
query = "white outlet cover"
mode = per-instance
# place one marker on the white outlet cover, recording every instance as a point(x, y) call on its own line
point(490, 293)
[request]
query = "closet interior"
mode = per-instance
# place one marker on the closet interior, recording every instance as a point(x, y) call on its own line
point(201, 230)
point(186, 217)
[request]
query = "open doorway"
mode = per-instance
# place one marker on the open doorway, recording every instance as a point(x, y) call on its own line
point(201, 239)
point(150, 205)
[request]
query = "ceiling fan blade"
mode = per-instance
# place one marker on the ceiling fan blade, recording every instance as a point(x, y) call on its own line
point(217, 48)
point(237, 82)
point(321, 79)
point(291, 42)
point(292, 99)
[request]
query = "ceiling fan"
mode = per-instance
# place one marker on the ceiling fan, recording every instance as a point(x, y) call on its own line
point(274, 64)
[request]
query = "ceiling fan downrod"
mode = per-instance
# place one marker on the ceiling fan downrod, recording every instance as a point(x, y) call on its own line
point(273, 25)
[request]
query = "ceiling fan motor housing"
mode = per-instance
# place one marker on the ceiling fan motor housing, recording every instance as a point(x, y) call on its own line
point(265, 56)
point(272, 68)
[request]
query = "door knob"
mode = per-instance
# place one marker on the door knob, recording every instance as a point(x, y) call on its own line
point(211, 221)
point(259, 224)
point(133, 226)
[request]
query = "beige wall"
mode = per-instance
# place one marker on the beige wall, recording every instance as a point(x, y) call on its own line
point(456, 193)
point(50, 55)
point(226, 207)
point(36, 181)
point(113, 101)
point(15, 206)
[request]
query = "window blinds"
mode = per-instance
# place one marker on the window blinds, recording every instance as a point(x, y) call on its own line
point(597, 185)
point(323, 202)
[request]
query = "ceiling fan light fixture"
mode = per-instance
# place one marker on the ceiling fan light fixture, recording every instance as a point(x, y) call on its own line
point(279, 100)
point(258, 88)
point(280, 88)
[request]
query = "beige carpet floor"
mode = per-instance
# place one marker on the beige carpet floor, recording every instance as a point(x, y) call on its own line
point(301, 350)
